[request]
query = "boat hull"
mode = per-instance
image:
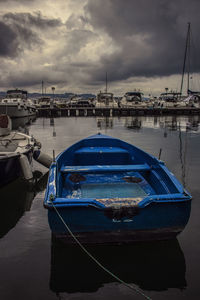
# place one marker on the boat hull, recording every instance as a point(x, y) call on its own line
point(95, 226)
point(14, 112)
point(103, 190)
point(10, 168)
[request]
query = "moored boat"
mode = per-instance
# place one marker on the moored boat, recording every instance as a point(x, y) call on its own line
point(133, 99)
point(105, 99)
point(169, 99)
point(16, 152)
point(16, 104)
point(108, 191)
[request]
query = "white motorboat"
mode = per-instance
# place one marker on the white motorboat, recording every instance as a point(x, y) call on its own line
point(16, 104)
point(105, 100)
point(133, 99)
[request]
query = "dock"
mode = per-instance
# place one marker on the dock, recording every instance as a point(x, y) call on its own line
point(113, 112)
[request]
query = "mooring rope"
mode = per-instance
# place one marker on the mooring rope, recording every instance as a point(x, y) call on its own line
point(134, 288)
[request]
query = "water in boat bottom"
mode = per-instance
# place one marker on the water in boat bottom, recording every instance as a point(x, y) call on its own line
point(112, 190)
point(34, 265)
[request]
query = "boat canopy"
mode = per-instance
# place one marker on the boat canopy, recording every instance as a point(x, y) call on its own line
point(134, 94)
point(16, 93)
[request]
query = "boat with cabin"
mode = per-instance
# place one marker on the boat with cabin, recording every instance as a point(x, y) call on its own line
point(105, 99)
point(133, 99)
point(78, 101)
point(45, 102)
point(169, 99)
point(17, 104)
point(105, 190)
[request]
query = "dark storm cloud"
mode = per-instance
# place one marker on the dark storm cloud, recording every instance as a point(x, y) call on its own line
point(17, 31)
point(14, 38)
point(33, 78)
point(149, 35)
point(15, 1)
point(8, 40)
point(27, 19)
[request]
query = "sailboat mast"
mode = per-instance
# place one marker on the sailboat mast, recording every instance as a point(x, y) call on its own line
point(42, 88)
point(188, 79)
point(185, 56)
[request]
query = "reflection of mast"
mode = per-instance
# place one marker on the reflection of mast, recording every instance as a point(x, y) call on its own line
point(52, 123)
point(182, 155)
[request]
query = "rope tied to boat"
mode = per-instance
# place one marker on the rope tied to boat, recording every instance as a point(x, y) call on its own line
point(132, 287)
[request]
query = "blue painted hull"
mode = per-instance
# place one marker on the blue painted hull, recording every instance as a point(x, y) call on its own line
point(103, 190)
point(91, 225)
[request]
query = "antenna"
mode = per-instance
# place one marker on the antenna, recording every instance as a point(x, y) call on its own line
point(106, 83)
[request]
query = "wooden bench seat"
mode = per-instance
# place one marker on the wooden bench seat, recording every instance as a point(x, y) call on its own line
point(105, 168)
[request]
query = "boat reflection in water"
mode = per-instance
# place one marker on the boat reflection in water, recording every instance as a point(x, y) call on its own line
point(16, 199)
point(168, 123)
point(104, 122)
point(150, 265)
point(133, 123)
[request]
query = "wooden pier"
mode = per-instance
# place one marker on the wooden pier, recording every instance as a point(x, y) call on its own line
point(113, 112)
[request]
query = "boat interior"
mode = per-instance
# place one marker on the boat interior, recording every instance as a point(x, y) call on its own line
point(111, 172)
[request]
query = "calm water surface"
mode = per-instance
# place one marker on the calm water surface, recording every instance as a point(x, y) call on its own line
point(35, 266)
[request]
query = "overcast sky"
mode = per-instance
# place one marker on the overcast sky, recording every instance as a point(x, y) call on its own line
point(71, 44)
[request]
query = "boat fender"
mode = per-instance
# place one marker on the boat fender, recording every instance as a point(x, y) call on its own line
point(25, 167)
point(42, 158)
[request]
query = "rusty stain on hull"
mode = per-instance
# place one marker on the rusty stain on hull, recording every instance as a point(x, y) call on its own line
point(132, 179)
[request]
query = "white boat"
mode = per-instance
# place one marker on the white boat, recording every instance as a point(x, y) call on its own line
point(105, 100)
point(77, 101)
point(45, 102)
point(170, 99)
point(60, 102)
point(133, 99)
point(16, 104)
point(16, 152)
point(193, 99)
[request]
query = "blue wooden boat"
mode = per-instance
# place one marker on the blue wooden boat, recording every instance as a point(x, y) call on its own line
point(108, 191)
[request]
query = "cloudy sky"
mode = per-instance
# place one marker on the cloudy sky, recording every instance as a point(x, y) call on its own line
point(71, 44)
